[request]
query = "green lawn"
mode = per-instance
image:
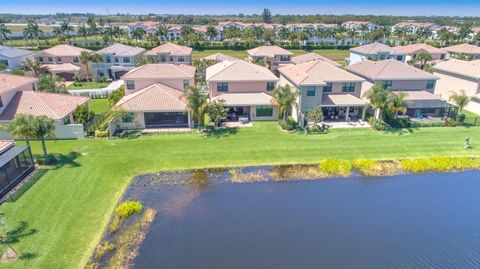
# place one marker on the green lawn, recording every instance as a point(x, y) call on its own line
point(470, 113)
point(69, 206)
point(99, 106)
point(87, 85)
point(335, 55)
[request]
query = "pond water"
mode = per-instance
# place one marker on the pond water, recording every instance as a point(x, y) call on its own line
point(405, 221)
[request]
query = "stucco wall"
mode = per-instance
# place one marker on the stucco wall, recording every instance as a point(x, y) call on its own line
point(143, 83)
point(240, 87)
point(410, 85)
point(449, 83)
point(253, 115)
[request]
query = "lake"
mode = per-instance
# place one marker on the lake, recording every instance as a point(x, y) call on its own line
point(405, 221)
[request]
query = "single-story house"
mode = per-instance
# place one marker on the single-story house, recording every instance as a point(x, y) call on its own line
point(413, 50)
point(219, 57)
point(13, 58)
point(469, 50)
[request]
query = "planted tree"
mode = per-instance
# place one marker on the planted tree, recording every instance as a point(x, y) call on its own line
point(34, 67)
point(83, 115)
point(377, 95)
point(32, 31)
point(217, 112)
point(3, 32)
point(423, 58)
point(460, 100)
point(43, 128)
point(89, 57)
point(116, 95)
point(284, 97)
point(315, 114)
point(197, 102)
point(51, 83)
point(22, 126)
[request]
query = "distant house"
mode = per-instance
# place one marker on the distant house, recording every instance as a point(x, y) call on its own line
point(471, 51)
point(171, 53)
point(62, 60)
point(13, 58)
point(17, 96)
point(360, 27)
point(376, 52)
point(318, 83)
point(312, 56)
point(396, 76)
point(457, 75)
point(16, 163)
point(273, 55)
point(245, 87)
point(413, 27)
point(219, 57)
point(118, 59)
point(412, 51)
point(155, 96)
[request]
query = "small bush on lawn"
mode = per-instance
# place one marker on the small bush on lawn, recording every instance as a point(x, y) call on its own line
point(336, 167)
point(130, 134)
point(288, 125)
point(365, 166)
point(377, 124)
point(100, 134)
point(49, 160)
point(128, 208)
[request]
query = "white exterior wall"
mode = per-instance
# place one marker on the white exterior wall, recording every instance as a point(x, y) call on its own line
point(450, 83)
point(355, 58)
point(14, 63)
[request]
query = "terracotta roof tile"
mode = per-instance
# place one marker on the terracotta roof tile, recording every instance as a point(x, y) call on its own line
point(170, 48)
point(9, 82)
point(65, 50)
point(464, 68)
point(308, 57)
point(414, 48)
point(389, 70)
point(238, 70)
point(375, 48)
point(121, 50)
point(157, 97)
point(161, 71)
point(219, 57)
point(464, 48)
point(268, 51)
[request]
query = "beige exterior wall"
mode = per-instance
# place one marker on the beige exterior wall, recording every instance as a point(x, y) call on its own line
point(172, 59)
point(450, 83)
point(410, 85)
point(337, 88)
point(435, 56)
point(62, 131)
point(56, 59)
point(253, 116)
point(239, 87)
point(143, 83)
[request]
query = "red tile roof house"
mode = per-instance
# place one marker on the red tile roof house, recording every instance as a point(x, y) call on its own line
point(396, 76)
point(412, 51)
point(62, 60)
point(171, 53)
point(17, 96)
point(245, 87)
point(155, 97)
point(335, 90)
point(274, 55)
point(117, 60)
point(375, 51)
point(469, 50)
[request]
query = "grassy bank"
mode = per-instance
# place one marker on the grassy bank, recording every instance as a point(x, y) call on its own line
point(99, 106)
point(68, 208)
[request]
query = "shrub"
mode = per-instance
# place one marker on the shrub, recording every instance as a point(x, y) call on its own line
point(450, 122)
point(102, 249)
point(336, 167)
point(461, 118)
point(288, 125)
point(100, 134)
point(128, 208)
point(439, 164)
point(130, 134)
point(400, 123)
point(377, 124)
point(364, 166)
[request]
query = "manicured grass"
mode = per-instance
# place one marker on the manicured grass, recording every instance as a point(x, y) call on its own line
point(470, 113)
point(335, 55)
point(70, 205)
point(87, 85)
point(19, 28)
point(99, 106)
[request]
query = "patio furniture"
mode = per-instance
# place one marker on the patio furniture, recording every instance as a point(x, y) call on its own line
point(361, 122)
point(243, 119)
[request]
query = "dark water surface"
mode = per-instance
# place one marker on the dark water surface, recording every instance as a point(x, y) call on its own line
point(406, 221)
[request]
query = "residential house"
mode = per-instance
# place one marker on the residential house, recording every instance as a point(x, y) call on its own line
point(360, 27)
point(318, 83)
point(396, 76)
point(245, 87)
point(154, 96)
point(412, 51)
point(118, 59)
point(16, 163)
point(18, 96)
point(312, 56)
point(376, 52)
point(457, 75)
point(219, 57)
point(171, 53)
point(62, 60)
point(468, 50)
point(412, 27)
point(274, 56)
point(12, 58)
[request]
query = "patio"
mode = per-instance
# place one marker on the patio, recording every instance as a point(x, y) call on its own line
point(350, 124)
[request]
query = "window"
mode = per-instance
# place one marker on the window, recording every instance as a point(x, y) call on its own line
point(75, 60)
point(430, 84)
point(328, 87)
point(387, 84)
point(66, 120)
point(50, 59)
point(442, 57)
point(4, 62)
point(40, 59)
point(186, 84)
point(284, 58)
point(264, 111)
point(1, 102)
point(59, 59)
point(108, 59)
point(128, 117)
point(311, 91)
point(130, 85)
point(427, 110)
point(116, 59)
point(126, 59)
point(171, 58)
point(163, 58)
point(348, 87)
point(399, 58)
point(270, 86)
point(181, 59)
point(222, 86)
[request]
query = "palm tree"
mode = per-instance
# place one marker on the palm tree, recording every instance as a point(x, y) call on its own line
point(396, 103)
point(66, 29)
point(58, 33)
point(82, 31)
point(284, 97)
point(32, 31)
point(3, 32)
point(423, 58)
point(93, 29)
point(460, 99)
point(119, 32)
point(43, 127)
point(211, 32)
point(87, 57)
point(109, 33)
point(162, 31)
point(22, 126)
point(51, 83)
point(444, 35)
point(197, 102)
point(138, 33)
point(377, 95)
point(35, 67)
point(186, 32)
point(284, 33)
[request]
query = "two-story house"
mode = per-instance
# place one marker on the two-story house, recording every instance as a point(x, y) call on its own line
point(412, 51)
point(471, 51)
point(118, 59)
point(171, 53)
point(245, 87)
point(18, 96)
point(155, 96)
point(396, 76)
point(375, 52)
point(62, 60)
point(12, 58)
point(274, 56)
point(318, 83)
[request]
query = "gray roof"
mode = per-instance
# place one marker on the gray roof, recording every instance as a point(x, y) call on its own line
point(10, 52)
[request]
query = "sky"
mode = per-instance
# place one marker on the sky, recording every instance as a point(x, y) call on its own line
point(218, 7)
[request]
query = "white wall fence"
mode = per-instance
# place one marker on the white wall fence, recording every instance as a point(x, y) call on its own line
point(69, 131)
point(93, 93)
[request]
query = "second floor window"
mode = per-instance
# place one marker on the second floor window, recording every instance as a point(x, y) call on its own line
point(163, 58)
point(328, 87)
point(130, 85)
point(59, 59)
point(186, 84)
point(285, 58)
point(50, 59)
point(116, 59)
point(40, 59)
point(222, 86)
point(126, 59)
point(75, 60)
point(430, 84)
point(108, 59)
point(270, 86)
point(181, 59)
point(311, 91)
point(348, 87)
